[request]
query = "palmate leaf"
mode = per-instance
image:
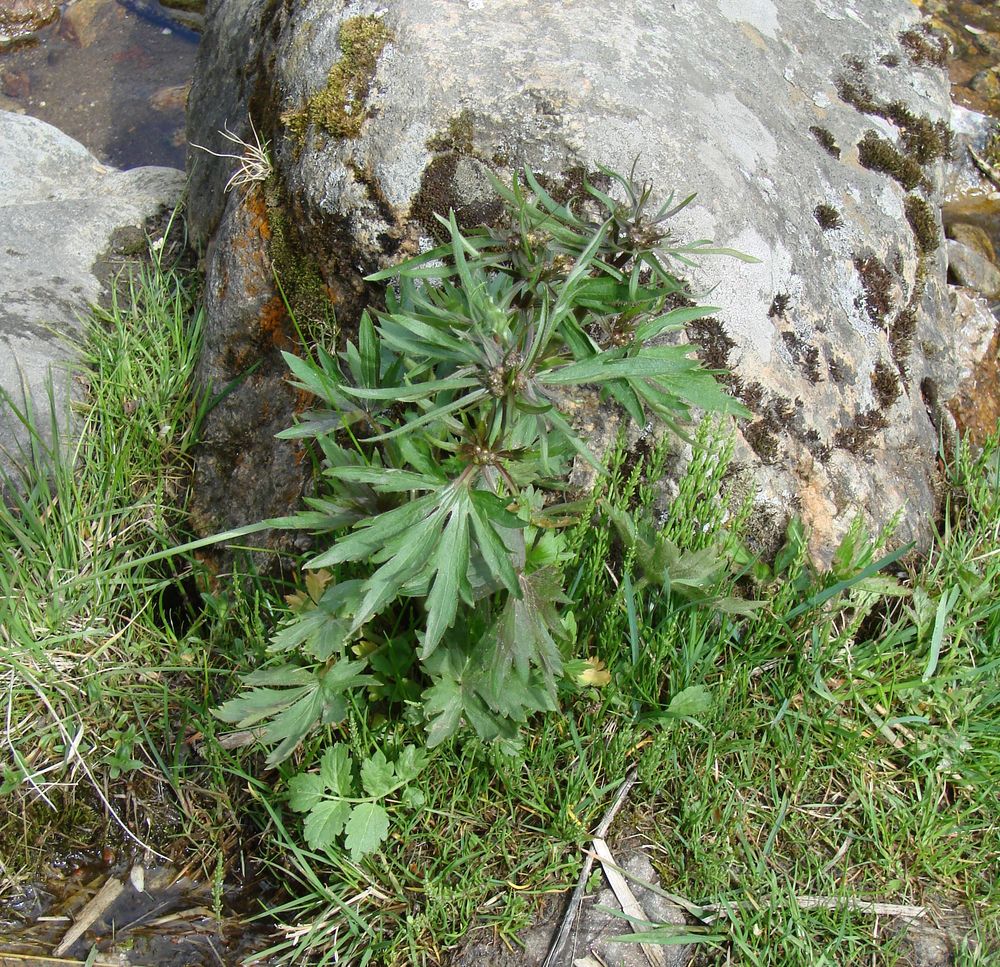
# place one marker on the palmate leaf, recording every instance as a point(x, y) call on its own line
point(454, 698)
point(523, 638)
point(461, 694)
point(314, 697)
point(324, 629)
point(378, 775)
point(325, 822)
point(367, 829)
point(426, 543)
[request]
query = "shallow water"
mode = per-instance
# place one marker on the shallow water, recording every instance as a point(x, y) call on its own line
point(108, 77)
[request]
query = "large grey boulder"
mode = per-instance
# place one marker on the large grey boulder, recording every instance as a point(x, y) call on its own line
point(61, 213)
point(815, 135)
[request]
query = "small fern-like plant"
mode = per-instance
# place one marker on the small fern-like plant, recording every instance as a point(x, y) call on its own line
point(447, 448)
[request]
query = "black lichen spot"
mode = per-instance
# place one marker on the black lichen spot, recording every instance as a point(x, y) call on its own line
point(932, 399)
point(879, 154)
point(876, 282)
point(889, 60)
point(713, 342)
point(815, 446)
point(924, 46)
point(885, 384)
point(924, 224)
point(826, 139)
point(441, 192)
point(810, 364)
point(828, 217)
point(752, 396)
point(859, 436)
point(779, 305)
point(762, 441)
point(838, 370)
point(779, 413)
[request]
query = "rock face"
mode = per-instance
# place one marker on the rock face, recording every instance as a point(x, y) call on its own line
point(815, 135)
point(18, 18)
point(61, 214)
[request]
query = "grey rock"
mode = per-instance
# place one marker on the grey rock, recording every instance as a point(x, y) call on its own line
point(926, 946)
point(60, 213)
point(732, 100)
point(971, 268)
point(18, 18)
point(600, 929)
point(974, 237)
point(987, 83)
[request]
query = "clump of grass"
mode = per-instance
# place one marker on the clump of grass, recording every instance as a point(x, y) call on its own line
point(254, 159)
point(797, 732)
point(779, 755)
point(88, 651)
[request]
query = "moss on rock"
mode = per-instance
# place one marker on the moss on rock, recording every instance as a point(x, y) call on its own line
point(880, 154)
point(302, 283)
point(924, 224)
point(339, 108)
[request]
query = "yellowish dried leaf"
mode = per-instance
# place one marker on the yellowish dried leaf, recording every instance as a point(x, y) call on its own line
point(316, 581)
point(595, 674)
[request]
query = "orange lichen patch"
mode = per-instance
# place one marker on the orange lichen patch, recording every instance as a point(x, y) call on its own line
point(273, 323)
point(976, 405)
point(820, 515)
point(256, 208)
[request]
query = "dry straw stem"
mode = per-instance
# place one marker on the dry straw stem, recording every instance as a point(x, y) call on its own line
point(90, 914)
point(254, 160)
point(629, 904)
point(555, 953)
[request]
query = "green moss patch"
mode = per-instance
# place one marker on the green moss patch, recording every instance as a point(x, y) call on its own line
point(826, 139)
point(859, 437)
point(828, 217)
point(924, 224)
point(880, 154)
point(885, 384)
point(456, 137)
point(876, 281)
point(302, 283)
point(339, 108)
point(924, 46)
